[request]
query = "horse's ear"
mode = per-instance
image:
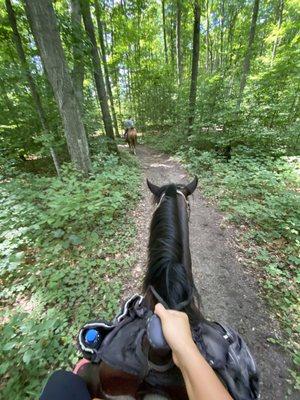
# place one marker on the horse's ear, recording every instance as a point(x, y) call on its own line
point(190, 188)
point(153, 188)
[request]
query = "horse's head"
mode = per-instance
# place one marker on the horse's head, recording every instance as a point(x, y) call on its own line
point(158, 191)
point(182, 192)
point(169, 274)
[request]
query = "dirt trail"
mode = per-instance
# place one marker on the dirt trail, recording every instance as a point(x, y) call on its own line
point(228, 289)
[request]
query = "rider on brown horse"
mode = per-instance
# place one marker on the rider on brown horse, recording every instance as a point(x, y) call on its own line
point(128, 124)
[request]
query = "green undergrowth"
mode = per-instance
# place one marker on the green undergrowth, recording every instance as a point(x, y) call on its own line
point(258, 192)
point(64, 246)
point(211, 137)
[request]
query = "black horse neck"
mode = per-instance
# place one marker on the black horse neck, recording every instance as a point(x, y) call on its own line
point(169, 260)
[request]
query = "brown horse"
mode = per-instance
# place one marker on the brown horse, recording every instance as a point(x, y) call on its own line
point(131, 139)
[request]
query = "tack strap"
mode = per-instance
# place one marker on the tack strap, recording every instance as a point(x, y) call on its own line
point(179, 306)
point(164, 194)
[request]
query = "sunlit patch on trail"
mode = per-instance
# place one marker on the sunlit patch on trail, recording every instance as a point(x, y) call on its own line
point(160, 165)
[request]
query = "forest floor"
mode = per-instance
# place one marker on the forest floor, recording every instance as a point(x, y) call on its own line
point(228, 287)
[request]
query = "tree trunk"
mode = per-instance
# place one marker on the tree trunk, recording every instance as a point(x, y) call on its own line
point(33, 89)
point(178, 41)
point(230, 39)
point(172, 42)
point(211, 53)
point(247, 59)
point(164, 30)
point(195, 64)
point(222, 33)
point(44, 26)
point(115, 72)
point(98, 76)
point(129, 83)
point(116, 84)
point(106, 73)
point(55, 160)
point(277, 40)
point(139, 15)
point(294, 108)
point(78, 64)
point(207, 35)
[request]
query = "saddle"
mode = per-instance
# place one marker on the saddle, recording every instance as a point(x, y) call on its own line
point(124, 345)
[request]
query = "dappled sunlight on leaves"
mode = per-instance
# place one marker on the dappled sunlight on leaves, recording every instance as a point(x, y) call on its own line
point(64, 247)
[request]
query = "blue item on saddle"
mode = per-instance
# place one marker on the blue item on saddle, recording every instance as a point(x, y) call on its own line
point(124, 347)
point(93, 338)
point(128, 123)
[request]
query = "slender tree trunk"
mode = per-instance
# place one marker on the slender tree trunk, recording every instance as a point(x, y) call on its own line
point(277, 39)
point(106, 73)
point(98, 76)
point(178, 41)
point(116, 80)
point(207, 35)
point(294, 108)
point(195, 64)
point(230, 39)
point(32, 86)
point(129, 83)
point(211, 54)
point(222, 33)
point(112, 32)
point(172, 42)
point(55, 160)
point(45, 29)
point(164, 30)
point(115, 72)
point(247, 59)
point(78, 64)
point(139, 13)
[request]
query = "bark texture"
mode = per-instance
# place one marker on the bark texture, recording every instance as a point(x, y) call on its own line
point(98, 75)
point(207, 34)
point(106, 72)
point(164, 30)
point(78, 57)
point(44, 26)
point(32, 86)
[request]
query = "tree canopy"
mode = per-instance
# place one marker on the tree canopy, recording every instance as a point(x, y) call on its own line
point(248, 68)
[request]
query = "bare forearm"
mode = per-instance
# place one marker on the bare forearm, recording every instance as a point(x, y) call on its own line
point(201, 381)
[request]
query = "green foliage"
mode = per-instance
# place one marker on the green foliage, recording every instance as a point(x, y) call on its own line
point(168, 141)
point(64, 246)
point(50, 244)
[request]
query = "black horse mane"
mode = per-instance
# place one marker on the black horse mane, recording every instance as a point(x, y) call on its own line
point(166, 273)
